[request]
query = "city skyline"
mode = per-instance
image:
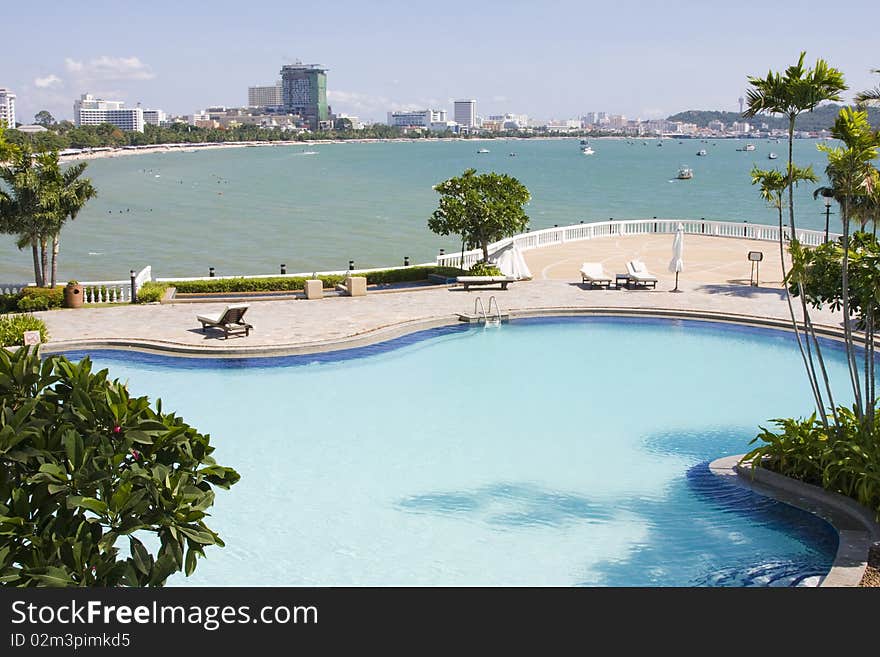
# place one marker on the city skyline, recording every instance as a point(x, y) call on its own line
point(510, 57)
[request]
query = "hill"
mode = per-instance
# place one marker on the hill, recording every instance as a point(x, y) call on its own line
point(822, 118)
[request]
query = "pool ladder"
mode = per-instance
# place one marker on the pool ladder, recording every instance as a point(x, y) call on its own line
point(487, 321)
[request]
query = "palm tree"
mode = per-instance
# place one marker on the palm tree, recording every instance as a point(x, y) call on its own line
point(798, 90)
point(773, 184)
point(26, 209)
point(869, 96)
point(69, 193)
point(851, 172)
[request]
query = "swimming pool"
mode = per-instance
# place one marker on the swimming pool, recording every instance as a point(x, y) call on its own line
point(554, 451)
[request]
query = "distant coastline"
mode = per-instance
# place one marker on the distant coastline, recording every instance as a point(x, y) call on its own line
point(123, 151)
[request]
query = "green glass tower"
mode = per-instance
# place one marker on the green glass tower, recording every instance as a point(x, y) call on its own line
point(304, 92)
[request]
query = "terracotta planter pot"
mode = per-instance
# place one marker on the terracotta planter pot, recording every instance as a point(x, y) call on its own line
point(73, 296)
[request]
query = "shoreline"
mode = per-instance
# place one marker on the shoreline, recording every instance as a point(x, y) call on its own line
point(123, 151)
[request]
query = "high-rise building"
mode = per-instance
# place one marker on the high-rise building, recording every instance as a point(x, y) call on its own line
point(265, 96)
point(155, 117)
point(465, 113)
point(88, 110)
point(304, 92)
point(7, 107)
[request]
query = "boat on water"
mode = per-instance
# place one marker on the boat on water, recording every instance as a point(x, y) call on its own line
point(685, 172)
point(772, 156)
point(747, 147)
point(586, 150)
point(511, 155)
point(702, 151)
point(483, 150)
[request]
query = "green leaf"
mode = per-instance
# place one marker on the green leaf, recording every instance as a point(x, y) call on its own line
point(90, 503)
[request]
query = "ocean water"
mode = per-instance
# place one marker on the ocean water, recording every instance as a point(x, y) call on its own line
point(472, 456)
point(248, 210)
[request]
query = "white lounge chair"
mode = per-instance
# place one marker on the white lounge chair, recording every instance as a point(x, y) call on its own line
point(594, 274)
point(639, 274)
point(229, 321)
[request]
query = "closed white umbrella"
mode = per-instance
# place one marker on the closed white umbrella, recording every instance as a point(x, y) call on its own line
point(677, 264)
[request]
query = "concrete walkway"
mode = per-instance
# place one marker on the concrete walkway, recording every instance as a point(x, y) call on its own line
point(715, 282)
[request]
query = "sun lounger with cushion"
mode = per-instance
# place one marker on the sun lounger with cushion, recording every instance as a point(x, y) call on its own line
point(594, 274)
point(229, 321)
point(467, 281)
point(639, 274)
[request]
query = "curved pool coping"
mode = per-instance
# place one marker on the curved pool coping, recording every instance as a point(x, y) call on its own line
point(853, 522)
point(399, 329)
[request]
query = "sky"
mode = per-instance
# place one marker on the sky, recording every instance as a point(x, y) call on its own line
point(549, 60)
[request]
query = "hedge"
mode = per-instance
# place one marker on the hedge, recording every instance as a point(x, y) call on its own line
point(278, 284)
point(151, 292)
point(31, 299)
point(12, 328)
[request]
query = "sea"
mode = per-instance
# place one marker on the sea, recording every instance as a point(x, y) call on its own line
point(318, 206)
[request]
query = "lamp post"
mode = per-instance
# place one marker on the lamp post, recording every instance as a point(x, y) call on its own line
point(827, 215)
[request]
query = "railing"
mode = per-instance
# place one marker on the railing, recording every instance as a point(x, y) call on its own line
point(579, 232)
point(96, 291)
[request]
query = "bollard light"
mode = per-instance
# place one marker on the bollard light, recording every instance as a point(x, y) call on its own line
point(211, 272)
point(283, 269)
point(442, 251)
point(133, 287)
point(406, 261)
point(351, 265)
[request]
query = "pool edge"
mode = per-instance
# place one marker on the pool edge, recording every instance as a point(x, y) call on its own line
point(853, 522)
point(399, 329)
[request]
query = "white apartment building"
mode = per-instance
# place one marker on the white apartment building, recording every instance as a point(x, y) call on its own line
point(717, 126)
point(265, 96)
point(465, 113)
point(155, 117)
point(7, 107)
point(88, 110)
point(416, 118)
point(740, 128)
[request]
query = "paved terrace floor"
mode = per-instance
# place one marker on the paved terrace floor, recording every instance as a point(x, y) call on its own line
point(715, 280)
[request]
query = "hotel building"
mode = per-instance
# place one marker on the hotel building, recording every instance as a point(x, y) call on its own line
point(265, 96)
point(88, 110)
point(465, 113)
point(304, 92)
point(7, 107)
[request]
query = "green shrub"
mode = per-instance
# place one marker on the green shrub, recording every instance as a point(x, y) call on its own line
point(279, 284)
point(41, 298)
point(12, 328)
point(88, 470)
point(484, 269)
point(9, 302)
point(845, 460)
point(151, 292)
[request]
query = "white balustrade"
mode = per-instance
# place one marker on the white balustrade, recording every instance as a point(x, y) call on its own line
point(578, 232)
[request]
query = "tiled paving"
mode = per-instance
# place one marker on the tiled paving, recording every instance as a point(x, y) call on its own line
point(715, 280)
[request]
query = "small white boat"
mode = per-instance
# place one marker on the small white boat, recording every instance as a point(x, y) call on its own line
point(483, 150)
point(685, 173)
point(702, 151)
point(586, 150)
point(772, 156)
point(749, 147)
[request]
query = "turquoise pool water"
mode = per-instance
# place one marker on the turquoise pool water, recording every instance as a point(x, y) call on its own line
point(545, 452)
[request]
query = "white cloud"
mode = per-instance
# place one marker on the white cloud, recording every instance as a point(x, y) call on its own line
point(367, 105)
point(109, 68)
point(50, 80)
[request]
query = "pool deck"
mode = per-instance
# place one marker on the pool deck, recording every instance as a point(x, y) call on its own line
point(714, 284)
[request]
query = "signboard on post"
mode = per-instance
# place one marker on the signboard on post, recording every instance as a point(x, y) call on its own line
point(31, 337)
point(755, 257)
